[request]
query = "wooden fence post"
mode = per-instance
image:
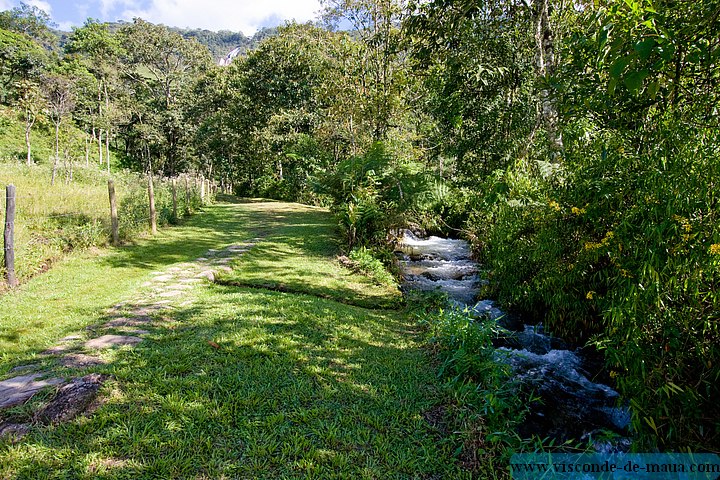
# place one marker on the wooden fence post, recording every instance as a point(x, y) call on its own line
point(113, 214)
point(174, 196)
point(151, 197)
point(202, 190)
point(10, 235)
point(187, 195)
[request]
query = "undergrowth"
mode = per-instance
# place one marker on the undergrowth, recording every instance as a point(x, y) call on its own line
point(485, 408)
point(367, 262)
point(74, 213)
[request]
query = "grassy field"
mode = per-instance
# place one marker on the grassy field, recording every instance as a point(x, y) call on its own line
point(67, 216)
point(293, 384)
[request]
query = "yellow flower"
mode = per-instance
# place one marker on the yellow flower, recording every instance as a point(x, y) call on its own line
point(555, 205)
point(577, 211)
point(590, 295)
point(684, 222)
point(715, 249)
point(679, 219)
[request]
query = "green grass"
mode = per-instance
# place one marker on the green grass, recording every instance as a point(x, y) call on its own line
point(53, 220)
point(303, 238)
point(301, 386)
point(83, 285)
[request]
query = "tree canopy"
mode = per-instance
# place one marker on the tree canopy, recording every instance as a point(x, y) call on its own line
point(575, 143)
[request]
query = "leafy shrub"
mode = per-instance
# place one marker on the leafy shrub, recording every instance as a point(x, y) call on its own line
point(368, 263)
point(373, 194)
point(486, 407)
point(618, 240)
point(465, 347)
point(134, 213)
point(623, 254)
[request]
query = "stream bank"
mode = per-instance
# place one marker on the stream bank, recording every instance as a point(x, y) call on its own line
point(566, 404)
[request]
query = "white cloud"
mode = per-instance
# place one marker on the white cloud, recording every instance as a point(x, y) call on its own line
point(42, 5)
point(5, 5)
point(108, 7)
point(66, 26)
point(236, 15)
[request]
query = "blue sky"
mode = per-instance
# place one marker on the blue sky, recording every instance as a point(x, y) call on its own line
point(246, 16)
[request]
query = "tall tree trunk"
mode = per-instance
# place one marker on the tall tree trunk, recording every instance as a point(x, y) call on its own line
point(94, 138)
point(30, 120)
point(57, 152)
point(87, 151)
point(107, 149)
point(545, 67)
point(107, 132)
point(100, 147)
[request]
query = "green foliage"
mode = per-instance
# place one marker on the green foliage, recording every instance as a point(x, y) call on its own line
point(133, 213)
point(31, 21)
point(20, 59)
point(477, 63)
point(373, 194)
point(465, 346)
point(161, 66)
point(368, 263)
point(487, 407)
point(275, 94)
point(615, 245)
point(75, 214)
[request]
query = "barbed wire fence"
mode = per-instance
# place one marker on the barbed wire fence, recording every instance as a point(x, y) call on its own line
point(36, 221)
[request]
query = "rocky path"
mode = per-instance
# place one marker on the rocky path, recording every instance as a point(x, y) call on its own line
point(126, 323)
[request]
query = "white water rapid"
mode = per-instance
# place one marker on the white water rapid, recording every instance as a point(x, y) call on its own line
point(572, 406)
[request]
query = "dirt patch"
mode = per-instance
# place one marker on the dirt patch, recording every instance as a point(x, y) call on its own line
point(435, 417)
point(107, 341)
point(128, 322)
point(80, 360)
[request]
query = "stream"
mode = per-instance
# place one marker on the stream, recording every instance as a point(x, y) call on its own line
point(571, 406)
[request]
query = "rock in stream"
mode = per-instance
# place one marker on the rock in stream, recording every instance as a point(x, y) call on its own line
point(565, 404)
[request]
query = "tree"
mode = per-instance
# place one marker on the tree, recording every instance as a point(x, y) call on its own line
point(32, 103)
point(60, 97)
point(101, 52)
point(20, 60)
point(639, 84)
point(380, 72)
point(160, 66)
point(30, 21)
point(280, 104)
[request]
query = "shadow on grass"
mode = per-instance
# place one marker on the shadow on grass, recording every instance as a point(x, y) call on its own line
point(226, 223)
point(249, 383)
point(292, 387)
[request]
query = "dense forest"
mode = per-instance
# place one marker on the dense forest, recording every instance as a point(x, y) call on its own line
point(576, 144)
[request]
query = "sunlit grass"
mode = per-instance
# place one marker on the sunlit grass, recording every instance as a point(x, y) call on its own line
point(298, 255)
point(70, 215)
point(293, 385)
